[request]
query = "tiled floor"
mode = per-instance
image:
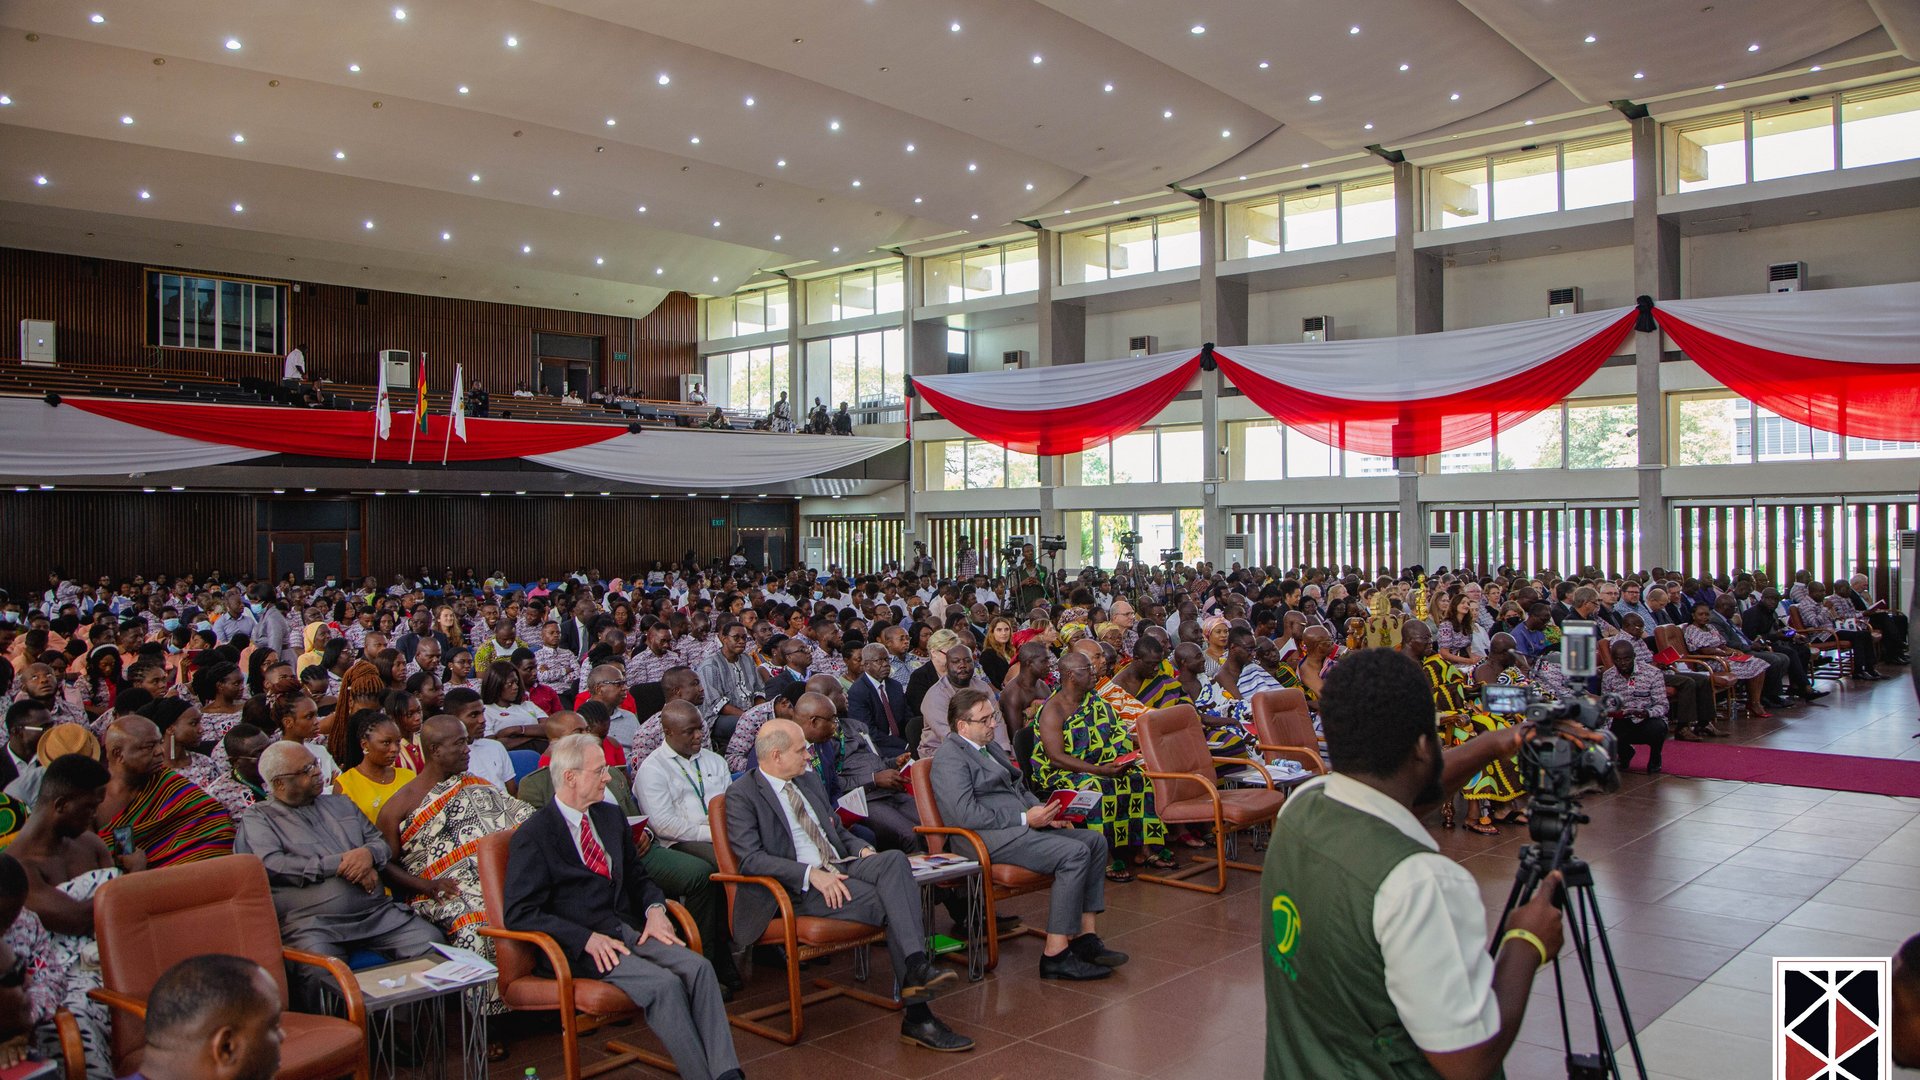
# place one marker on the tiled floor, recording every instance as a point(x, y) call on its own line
point(1701, 882)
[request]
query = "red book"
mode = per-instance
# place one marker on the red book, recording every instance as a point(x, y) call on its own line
point(1127, 759)
point(1666, 657)
point(1075, 805)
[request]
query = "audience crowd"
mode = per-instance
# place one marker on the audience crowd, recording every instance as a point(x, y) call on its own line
point(361, 739)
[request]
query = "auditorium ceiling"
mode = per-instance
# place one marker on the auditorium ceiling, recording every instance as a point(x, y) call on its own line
point(595, 154)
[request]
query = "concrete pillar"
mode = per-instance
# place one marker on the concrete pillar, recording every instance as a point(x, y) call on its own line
point(1061, 333)
point(1223, 321)
point(796, 352)
point(911, 270)
point(1419, 296)
point(1656, 273)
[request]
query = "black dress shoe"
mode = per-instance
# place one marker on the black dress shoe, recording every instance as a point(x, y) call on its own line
point(1090, 948)
point(1006, 924)
point(1065, 965)
point(922, 983)
point(934, 1035)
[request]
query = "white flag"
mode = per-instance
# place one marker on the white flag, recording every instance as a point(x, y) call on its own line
point(382, 415)
point(459, 406)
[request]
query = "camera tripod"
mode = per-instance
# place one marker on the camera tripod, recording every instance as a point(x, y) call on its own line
point(1552, 852)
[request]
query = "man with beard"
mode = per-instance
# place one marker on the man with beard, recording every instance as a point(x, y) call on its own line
point(1373, 945)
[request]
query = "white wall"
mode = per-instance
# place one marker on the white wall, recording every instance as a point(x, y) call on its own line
point(1362, 308)
point(1515, 290)
point(1176, 325)
point(1842, 252)
point(985, 346)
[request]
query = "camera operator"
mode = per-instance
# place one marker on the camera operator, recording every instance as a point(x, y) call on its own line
point(1374, 947)
point(1026, 580)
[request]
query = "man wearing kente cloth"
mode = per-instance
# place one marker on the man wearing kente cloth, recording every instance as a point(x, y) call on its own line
point(166, 816)
point(435, 821)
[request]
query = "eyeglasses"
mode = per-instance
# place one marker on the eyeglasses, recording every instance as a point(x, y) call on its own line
point(311, 768)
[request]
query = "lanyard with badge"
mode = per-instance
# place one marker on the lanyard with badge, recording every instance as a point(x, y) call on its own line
point(694, 781)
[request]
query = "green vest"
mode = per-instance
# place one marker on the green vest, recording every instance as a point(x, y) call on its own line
point(1328, 1012)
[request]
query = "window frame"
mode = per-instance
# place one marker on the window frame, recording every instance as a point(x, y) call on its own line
point(153, 279)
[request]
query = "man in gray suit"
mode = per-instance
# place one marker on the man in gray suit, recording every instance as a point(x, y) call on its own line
point(978, 788)
point(781, 826)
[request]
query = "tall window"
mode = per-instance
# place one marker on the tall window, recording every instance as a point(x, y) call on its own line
point(1847, 130)
point(1318, 215)
point(1717, 428)
point(1138, 245)
point(754, 311)
point(1273, 451)
point(987, 270)
point(1531, 180)
point(1161, 531)
point(1165, 455)
point(186, 311)
point(754, 378)
point(867, 371)
point(875, 290)
point(971, 464)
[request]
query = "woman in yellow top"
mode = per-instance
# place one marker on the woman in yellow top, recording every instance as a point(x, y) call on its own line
point(369, 776)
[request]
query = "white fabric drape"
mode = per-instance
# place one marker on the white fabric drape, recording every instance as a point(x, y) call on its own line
point(1062, 386)
point(1872, 324)
point(700, 460)
point(43, 441)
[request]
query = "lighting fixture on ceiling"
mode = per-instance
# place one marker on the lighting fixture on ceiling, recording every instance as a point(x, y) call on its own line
point(611, 121)
point(463, 89)
point(1029, 187)
point(973, 217)
point(1037, 58)
point(1197, 29)
point(1313, 97)
point(658, 270)
point(1719, 86)
point(664, 79)
point(239, 208)
point(512, 42)
point(695, 140)
point(400, 14)
point(836, 249)
point(237, 137)
point(1529, 123)
point(1107, 88)
point(446, 236)
point(1353, 30)
point(1590, 39)
point(909, 148)
point(1639, 74)
point(233, 44)
point(1167, 114)
point(126, 119)
point(1755, 47)
point(42, 181)
point(749, 103)
point(1815, 67)
point(5, 100)
point(916, 200)
point(833, 125)
point(339, 155)
point(973, 166)
point(1264, 65)
point(556, 193)
point(526, 249)
point(145, 194)
point(856, 183)
point(368, 224)
point(642, 209)
point(955, 28)
point(716, 279)
point(1225, 134)
point(1404, 67)
point(1455, 96)
point(599, 260)
point(96, 18)
point(781, 164)
point(1366, 127)
point(776, 238)
point(475, 178)
point(716, 224)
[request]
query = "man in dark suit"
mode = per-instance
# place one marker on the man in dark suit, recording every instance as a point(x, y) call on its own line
point(880, 703)
point(577, 630)
point(978, 788)
point(781, 826)
point(574, 875)
point(795, 656)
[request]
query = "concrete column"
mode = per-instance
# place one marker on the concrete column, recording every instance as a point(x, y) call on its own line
point(1419, 296)
point(1223, 321)
point(1061, 338)
point(1656, 273)
point(796, 352)
point(911, 270)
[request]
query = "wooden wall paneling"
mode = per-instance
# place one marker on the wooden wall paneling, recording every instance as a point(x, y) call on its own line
point(527, 537)
point(861, 545)
point(88, 534)
point(99, 308)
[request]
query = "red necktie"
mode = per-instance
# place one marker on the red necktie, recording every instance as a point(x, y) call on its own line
point(591, 852)
point(893, 726)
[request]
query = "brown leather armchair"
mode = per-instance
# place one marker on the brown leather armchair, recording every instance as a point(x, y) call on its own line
point(1184, 792)
point(1833, 655)
point(1283, 728)
point(1004, 880)
point(147, 922)
point(1668, 636)
point(800, 937)
point(583, 1004)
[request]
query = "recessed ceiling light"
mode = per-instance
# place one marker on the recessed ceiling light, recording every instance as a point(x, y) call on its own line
point(664, 79)
point(5, 100)
point(716, 223)
point(1366, 127)
point(512, 42)
point(1529, 123)
point(974, 217)
point(909, 148)
point(611, 121)
point(1404, 67)
point(1590, 39)
point(1108, 88)
point(42, 181)
point(642, 210)
point(400, 14)
point(526, 249)
point(916, 200)
point(776, 238)
point(599, 260)
point(1197, 29)
point(556, 193)
point(836, 249)
point(1167, 114)
point(1037, 58)
point(1265, 64)
point(1639, 74)
point(368, 224)
point(659, 270)
point(833, 125)
point(1353, 29)
point(749, 103)
point(781, 164)
point(463, 89)
point(1755, 47)
point(695, 140)
point(955, 28)
point(446, 236)
point(339, 155)
point(1313, 97)
point(1719, 86)
point(126, 119)
point(856, 183)
point(1455, 96)
point(1029, 187)
point(1815, 67)
point(145, 194)
point(96, 19)
point(716, 279)
point(233, 44)
point(1225, 134)
point(237, 137)
point(973, 166)
point(239, 208)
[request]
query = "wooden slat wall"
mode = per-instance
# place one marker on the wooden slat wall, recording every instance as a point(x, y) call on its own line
point(988, 534)
point(861, 545)
point(1365, 537)
point(527, 537)
point(1831, 540)
point(1564, 538)
point(89, 534)
point(99, 307)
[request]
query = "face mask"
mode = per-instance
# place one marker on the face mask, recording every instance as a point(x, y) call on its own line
point(171, 624)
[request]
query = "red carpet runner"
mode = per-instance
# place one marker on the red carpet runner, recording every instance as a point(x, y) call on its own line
point(1757, 765)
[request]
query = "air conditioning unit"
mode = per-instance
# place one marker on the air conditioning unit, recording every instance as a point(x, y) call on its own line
point(1013, 358)
point(1235, 552)
point(691, 381)
point(813, 552)
point(1563, 301)
point(1443, 550)
point(1143, 345)
point(1787, 277)
point(36, 342)
point(1316, 328)
point(1906, 544)
point(398, 364)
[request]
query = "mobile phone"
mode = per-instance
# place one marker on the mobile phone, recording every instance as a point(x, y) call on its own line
point(123, 839)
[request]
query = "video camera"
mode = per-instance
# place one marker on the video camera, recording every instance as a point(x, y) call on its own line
point(1051, 544)
point(1555, 765)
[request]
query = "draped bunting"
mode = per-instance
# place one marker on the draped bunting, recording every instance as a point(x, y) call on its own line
point(1062, 409)
point(102, 438)
point(332, 434)
point(1841, 360)
point(1423, 394)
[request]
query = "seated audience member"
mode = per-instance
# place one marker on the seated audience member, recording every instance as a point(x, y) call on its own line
point(511, 718)
point(1703, 639)
point(781, 825)
point(607, 684)
point(1404, 946)
point(1642, 718)
point(1818, 619)
point(977, 786)
point(153, 811)
point(58, 741)
point(26, 721)
point(676, 781)
point(486, 758)
point(326, 863)
point(778, 705)
point(678, 683)
point(574, 874)
point(1762, 624)
point(40, 684)
point(180, 733)
point(1078, 742)
point(238, 785)
point(961, 675)
point(891, 813)
point(732, 681)
point(370, 776)
point(212, 1017)
point(879, 702)
point(1891, 622)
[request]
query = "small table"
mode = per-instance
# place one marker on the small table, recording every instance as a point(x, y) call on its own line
point(949, 871)
point(426, 1010)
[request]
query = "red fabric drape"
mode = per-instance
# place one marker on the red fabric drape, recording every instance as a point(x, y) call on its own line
point(332, 434)
point(1866, 401)
point(1415, 427)
point(1066, 430)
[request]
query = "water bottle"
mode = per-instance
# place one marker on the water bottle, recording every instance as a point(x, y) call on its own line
point(532, 1073)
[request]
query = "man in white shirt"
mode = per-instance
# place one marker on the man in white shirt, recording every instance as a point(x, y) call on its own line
point(675, 782)
point(296, 366)
point(486, 758)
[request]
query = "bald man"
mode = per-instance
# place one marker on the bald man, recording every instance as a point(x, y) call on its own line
point(150, 809)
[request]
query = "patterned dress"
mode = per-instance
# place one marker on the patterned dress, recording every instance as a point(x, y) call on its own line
point(61, 968)
point(1093, 733)
point(1706, 637)
point(1460, 720)
point(441, 840)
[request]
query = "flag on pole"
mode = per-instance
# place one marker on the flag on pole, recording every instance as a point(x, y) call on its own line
point(457, 418)
point(382, 413)
point(419, 407)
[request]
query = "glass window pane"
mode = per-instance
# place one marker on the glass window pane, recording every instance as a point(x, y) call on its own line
point(1133, 458)
point(1525, 184)
point(1358, 464)
point(1531, 444)
point(955, 467)
point(940, 275)
point(1156, 535)
point(956, 343)
point(1096, 465)
point(843, 370)
point(1311, 220)
point(1262, 452)
point(1870, 449)
point(750, 313)
point(738, 372)
point(1776, 438)
point(201, 336)
point(1083, 256)
point(1602, 436)
point(1705, 432)
point(230, 309)
point(1598, 174)
point(1253, 228)
point(823, 300)
point(872, 385)
point(1022, 272)
point(1475, 458)
point(1178, 241)
point(856, 294)
point(1182, 456)
point(1709, 155)
point(720, 317)
point(981, 276)
point(1023, 470)
point(1793, 142)
point(1130, 248)
point(779, 373)
point(266, 319)
point(1307, 456)
point(1366, 210)
point(1457, 194)
point(889, 288)
point(1876, 129)
point(170, 302)
point(1110, 528)
point(1193, 534)
point(777, 308)
point(986, 465)
point(893, 358)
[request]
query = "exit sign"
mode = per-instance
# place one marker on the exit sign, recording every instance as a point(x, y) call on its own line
point(719, 523)
point(619, 356)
